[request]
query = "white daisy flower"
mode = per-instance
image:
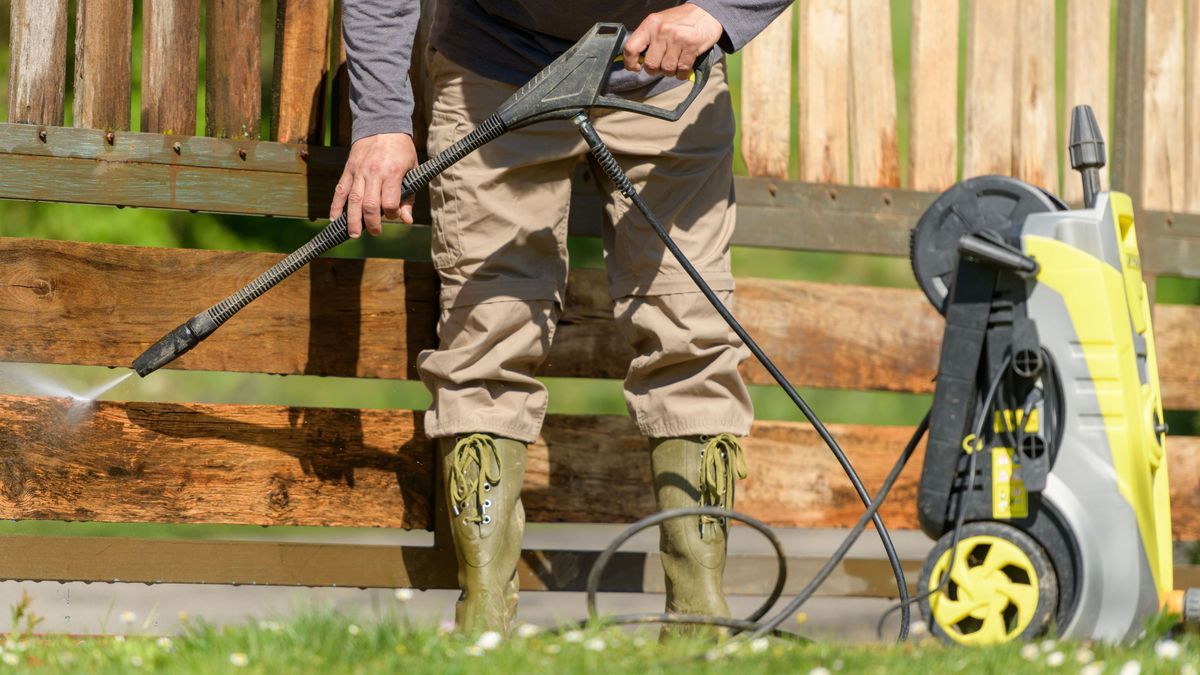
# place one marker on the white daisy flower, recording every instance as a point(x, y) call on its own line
point(759, 645)
point(489, 640)
point(1029, 652)
point(128, 617)
point(1055, 659)
point(594, 645)
point(918, 629)
point(1130, 668)
point(11, 658)
point(1187, 669)
point(573, 636)
point(1048, 646)
point(1084, 656)
point(239, 660)
point(135, 661)
point(164, 643)
point(404, 594)
point(353, 629)
point(1168, 649)
point(1093, 668)
point(118, 638)
point(819, 670)
point(527, 630)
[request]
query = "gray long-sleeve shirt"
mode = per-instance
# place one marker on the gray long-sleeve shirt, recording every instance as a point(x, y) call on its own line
point(505, 40)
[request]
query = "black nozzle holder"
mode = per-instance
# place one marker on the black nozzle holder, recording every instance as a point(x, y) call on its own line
point(1087, 151)
point(986, 247)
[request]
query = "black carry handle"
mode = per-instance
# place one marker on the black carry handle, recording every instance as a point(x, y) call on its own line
point(700, 73)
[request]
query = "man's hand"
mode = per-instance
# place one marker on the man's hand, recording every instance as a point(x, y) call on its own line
point(672, 41)
point(370, 185)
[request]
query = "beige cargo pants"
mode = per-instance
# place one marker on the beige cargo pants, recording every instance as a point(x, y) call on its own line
point(499, 245)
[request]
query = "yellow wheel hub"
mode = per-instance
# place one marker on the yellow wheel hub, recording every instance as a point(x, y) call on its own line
point(992, 594)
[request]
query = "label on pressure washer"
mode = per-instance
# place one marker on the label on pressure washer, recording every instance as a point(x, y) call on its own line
point(1009, 498)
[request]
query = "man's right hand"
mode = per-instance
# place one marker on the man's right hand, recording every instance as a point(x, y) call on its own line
point(370, 186)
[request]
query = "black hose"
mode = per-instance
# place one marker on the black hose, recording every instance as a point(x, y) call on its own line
point(609, 164)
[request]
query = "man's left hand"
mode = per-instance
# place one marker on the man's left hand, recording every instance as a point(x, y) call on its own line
point(672, 40)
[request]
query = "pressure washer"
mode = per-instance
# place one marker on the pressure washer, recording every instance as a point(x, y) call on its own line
point(1045, 476)
point(1047, 373)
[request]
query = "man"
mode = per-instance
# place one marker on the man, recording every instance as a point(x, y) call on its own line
point(499, 245)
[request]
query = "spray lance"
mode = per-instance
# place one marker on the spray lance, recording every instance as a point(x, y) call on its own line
point(568, 89)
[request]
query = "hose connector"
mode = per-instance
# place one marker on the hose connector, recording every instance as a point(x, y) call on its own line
point(175, 344)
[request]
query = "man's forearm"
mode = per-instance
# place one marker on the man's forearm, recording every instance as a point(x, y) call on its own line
point(379, 39)
point(742, 19)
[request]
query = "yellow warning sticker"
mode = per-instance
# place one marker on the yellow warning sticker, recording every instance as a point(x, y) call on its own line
point(1009, 498)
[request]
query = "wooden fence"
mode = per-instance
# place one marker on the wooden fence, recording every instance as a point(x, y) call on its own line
point(92, 304)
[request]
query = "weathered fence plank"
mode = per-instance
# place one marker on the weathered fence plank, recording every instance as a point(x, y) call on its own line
point(825, 104)
point(340, 88)
point(933, 95)
point(232, 92)
point(272, 465)
point(1088, 24)
point(37, 70)
point(1163, 149)
point(170, 57)
point(1035, 145)
point(766, 119)
point(989, 106)
point(301, 63)
point(370, 318)
point(103, 49)
point(1191, 144)
point(876, 156)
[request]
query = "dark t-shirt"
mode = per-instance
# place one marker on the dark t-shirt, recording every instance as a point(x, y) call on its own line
point(505, 40)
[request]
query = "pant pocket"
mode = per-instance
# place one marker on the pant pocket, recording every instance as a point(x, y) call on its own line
point(446, 242)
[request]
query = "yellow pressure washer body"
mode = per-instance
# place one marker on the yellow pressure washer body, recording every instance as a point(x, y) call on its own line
point(1048, 376)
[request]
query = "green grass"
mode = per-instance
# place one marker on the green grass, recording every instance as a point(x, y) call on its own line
point(331, 643)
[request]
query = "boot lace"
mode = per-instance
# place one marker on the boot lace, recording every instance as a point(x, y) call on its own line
point(721, 463)
point(475, 468)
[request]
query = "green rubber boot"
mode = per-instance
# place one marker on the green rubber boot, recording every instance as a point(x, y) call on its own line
point(483, 476)
point(695, 471)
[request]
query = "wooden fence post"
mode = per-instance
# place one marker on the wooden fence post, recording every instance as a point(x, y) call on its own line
point(170, 57)
point(766, 123)
point(988, 125)
point(875, 153)
point(301, 64)
point(933, 95)
point(103, 45)
point(1035, 124)
point(1088, 23)
point(233, 84)
point(37, 72)
point(824, 95)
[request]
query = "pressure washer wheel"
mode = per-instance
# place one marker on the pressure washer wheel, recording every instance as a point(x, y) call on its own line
point(1002, 586)
point(997, 203)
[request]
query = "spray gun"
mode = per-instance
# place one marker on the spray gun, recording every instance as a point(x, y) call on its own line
point(571, 85)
